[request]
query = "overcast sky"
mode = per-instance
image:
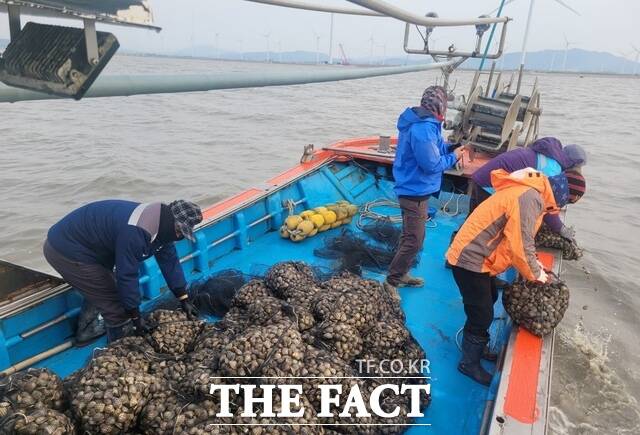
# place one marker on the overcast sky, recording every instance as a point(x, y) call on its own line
point(604, 25)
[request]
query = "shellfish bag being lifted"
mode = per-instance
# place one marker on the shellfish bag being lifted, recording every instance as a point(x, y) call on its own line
point(548, 239)
point(539, 308)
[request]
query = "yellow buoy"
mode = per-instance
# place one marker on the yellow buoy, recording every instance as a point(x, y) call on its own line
point(336, 224)
point(342, 212)
point(305, 227)
point(293, 221)
point(296, 237)
point(329, 217)
point(284, 232)
point(320, 209)
point(324, 228)
point(307, 214)
point(317, 220)
point(313, 233)
point(343, 202)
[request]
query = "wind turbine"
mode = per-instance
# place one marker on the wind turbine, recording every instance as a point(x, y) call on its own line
point(567, 43)
point(553, 60)
point(317, 47)
point(526, 30)
point(624, 60)
point(331, 42)
point(266, 36)
point(635, 65)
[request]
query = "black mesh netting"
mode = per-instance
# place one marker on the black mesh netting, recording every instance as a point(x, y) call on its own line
point(211, 296)
point(291, 323)
point(373, 249)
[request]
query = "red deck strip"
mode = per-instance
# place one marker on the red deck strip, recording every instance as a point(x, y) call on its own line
point(520, 402)
point(319, 158)
point(222, 206)
point(547, 259)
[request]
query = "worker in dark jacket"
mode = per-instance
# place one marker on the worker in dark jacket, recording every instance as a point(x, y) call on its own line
point(546, 155)
point(87, 244)
point(422, 156)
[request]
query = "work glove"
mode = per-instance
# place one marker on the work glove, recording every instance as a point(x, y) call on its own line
point(189, 309)
point(543, 277)
point(138, 322)
point(568, 233)
point(140, 326)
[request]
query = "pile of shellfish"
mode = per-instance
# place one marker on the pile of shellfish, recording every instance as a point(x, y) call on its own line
point(545, 238)
point(288, 325)
point(537, 307)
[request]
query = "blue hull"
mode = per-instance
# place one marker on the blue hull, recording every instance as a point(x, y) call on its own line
point(246, 238)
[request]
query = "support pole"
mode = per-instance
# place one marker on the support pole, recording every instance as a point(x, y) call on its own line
point(14, 21)
point(331, 42)
point(493, 31)
point(91, 41)
point(524, 44)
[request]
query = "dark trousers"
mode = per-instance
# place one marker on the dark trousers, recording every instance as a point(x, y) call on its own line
point(96, 283)
point(479, 293)
point(476, 195)
point(414, 219)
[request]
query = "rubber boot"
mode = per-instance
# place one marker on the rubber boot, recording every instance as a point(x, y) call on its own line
point(90, 325)
point(472, 348)
point(487, 355)
point(410, 281)
point(120, 331)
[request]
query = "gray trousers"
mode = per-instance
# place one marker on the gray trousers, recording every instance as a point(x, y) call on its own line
point(96, 283)
point(414, 219)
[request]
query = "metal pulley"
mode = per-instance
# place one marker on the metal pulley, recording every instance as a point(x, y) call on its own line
point(490, 123)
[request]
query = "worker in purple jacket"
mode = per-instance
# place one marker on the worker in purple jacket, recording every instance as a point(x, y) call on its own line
point(90, 242)
point(547, 156)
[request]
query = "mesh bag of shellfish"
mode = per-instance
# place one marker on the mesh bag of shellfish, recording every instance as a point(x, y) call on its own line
point(37, 422)
point(173, 333)
point(34, 388)
point(545, 238)
point(110, 392)
point(539, 308)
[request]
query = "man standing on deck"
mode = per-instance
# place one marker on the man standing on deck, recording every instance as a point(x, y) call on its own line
point(422, 156)
point(86, 245)
point(500, 233)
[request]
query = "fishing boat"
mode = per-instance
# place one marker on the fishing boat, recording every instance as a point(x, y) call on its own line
point(38, 311)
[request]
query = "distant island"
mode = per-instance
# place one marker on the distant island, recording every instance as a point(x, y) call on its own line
point(577, 60)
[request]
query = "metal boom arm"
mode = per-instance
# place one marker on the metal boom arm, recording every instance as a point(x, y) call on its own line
point(379, 8)
point(122, 86)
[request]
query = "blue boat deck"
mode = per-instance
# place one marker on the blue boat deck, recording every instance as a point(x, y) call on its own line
point(434, 312)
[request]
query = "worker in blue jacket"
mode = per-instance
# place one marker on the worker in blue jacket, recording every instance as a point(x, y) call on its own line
point(422, 156)
point(87, 244)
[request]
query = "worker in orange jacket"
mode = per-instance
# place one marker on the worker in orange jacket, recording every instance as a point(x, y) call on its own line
point(500, 233)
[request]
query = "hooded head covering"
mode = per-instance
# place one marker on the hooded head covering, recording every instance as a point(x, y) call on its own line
point(552, 148)
point(577, 185)
point(577, 154)
point(560, 188)
point(186, 215)
point(434, 101)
